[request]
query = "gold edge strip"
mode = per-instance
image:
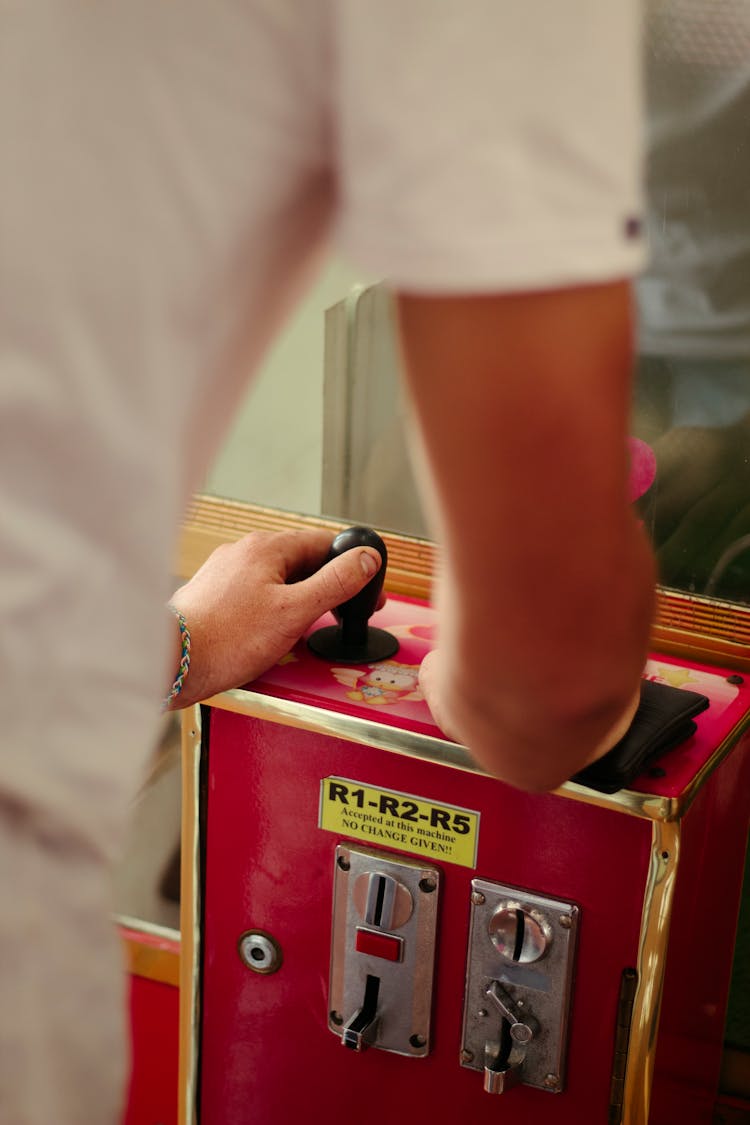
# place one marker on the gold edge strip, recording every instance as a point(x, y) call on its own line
point(647, 806)
point(148, 929)
point(708, 767)
point(652, 955)
point(702, 648)
point(143, 960)
point(349, 728)
point(352, 728)
point(189, 917)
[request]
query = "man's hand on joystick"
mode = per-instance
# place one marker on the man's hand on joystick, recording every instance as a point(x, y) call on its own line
point(252, 600)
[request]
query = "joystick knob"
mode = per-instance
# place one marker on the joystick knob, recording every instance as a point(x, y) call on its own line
point(353, 641)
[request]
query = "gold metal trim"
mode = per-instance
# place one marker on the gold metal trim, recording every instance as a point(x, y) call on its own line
point(352, 728)
point(190, 916)
point(648, 806)
point(144, 959)
point(651, 965)
point(718, 756)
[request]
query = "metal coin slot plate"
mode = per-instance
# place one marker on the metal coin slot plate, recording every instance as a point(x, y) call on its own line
point(396, 900)
point(532, 967)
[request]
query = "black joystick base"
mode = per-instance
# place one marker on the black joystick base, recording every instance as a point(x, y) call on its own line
point(329, 643)
point(353, 641)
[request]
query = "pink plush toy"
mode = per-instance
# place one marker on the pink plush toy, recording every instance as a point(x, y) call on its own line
point(642, 467)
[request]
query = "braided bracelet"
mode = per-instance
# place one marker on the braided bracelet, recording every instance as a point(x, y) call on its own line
point(184, 665)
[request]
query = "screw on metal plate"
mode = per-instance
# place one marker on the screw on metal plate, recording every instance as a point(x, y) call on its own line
point(467, 1056)
point(343, 863)
point(259, 951)
point(565, 921)
point(735, 679)
point(427, 885)
point(551, 1082)
point(477, 898)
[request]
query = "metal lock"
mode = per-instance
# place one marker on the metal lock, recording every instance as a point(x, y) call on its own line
point(519, 978)
point(383, 951)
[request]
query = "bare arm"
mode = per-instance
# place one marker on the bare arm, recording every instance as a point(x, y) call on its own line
point(523, 402)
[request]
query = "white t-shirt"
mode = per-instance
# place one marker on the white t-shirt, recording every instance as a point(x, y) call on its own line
point(171, 174)
point(175, 171)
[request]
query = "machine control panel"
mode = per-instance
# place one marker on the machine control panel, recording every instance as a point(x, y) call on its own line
point(383, 951)
point(519, 978)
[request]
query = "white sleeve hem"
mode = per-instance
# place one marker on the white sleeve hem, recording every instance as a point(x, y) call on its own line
point(500, 265)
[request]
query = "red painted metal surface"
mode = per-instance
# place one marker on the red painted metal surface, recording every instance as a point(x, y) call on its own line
point(154, 1035)
point(699, 965)
point(266, 1052)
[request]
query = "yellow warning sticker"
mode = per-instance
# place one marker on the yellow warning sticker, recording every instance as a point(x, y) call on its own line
point(399, 820)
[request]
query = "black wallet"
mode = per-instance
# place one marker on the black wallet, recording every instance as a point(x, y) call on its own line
point(664, 719)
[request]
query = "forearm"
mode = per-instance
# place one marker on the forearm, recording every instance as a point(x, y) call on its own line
point(546, 597)
point(555, 684)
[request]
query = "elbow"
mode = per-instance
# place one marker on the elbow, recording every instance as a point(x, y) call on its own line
point(537, 742)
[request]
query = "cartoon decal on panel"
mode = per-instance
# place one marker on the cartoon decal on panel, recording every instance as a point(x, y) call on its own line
point(382, 684)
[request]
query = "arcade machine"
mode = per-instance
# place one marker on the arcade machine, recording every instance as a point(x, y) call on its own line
point(378, 928)
point(372, 927)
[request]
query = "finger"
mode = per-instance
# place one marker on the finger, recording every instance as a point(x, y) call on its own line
point(337, 581)
point(301, 553)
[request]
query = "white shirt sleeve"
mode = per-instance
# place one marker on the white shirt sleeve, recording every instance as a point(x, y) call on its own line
point(506, 154)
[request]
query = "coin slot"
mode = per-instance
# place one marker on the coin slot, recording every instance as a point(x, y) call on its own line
point(379, 897)
point(519, 935)
point(520, 929)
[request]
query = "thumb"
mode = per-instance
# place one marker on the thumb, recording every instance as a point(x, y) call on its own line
point(339, 580)
point(430, 681)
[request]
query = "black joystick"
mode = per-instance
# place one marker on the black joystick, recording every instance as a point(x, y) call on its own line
point(353, 641)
